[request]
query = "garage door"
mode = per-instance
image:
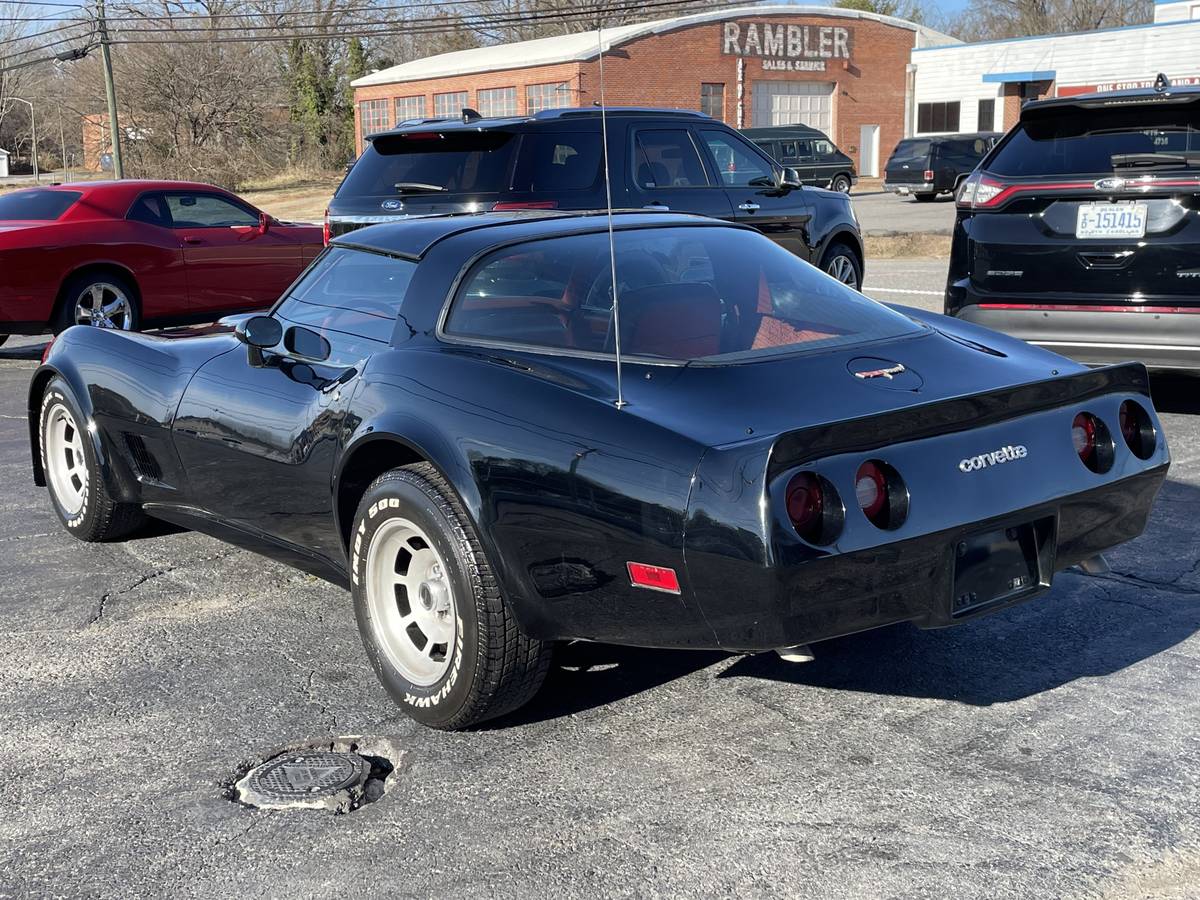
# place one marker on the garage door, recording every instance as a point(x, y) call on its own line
point(791, 103)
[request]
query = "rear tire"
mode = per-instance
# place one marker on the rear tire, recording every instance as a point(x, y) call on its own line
point(840, 183)
point(436, 628)
point(102, 299)
point(841, 262)
point(77, 490)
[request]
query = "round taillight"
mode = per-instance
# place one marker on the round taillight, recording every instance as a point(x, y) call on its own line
point(1138, 430)
point(813, 508)
point(1092, 442)
point(870, 489)
point(881, 494)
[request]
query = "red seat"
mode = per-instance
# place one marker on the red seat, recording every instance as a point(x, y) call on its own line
point(676, 321)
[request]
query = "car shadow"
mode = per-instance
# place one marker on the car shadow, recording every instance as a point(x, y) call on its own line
point(23, 351)
point(1175, 392)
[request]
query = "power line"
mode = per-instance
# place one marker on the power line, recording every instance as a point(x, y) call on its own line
point(430, 25)
point(41, 34)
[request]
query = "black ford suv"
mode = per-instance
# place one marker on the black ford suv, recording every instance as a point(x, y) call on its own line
point(658, 160)
point(927, 166)
point(810, 152)
point(1080, 231)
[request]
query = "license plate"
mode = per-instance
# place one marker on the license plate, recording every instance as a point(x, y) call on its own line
point(1001, 565)
point(1110, 220)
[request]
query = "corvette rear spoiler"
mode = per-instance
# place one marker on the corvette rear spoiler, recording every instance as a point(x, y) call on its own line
point(954, 414)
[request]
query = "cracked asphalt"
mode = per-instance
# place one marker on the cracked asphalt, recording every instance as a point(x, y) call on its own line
point(1051, 750)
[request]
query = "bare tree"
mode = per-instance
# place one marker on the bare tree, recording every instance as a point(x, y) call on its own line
point(991, 19)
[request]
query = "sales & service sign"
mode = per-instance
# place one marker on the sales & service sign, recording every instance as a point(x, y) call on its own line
point(787, 48)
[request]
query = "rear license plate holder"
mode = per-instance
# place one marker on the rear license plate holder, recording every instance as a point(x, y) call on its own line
point(1002, 564)
point(1111, 221)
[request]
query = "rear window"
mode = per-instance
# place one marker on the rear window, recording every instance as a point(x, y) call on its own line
point(397, 165)
point(911, 150)
point(35, 205)
point(700, 293)
point(1084, 141)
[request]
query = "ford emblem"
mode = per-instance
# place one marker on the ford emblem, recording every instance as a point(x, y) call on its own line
point(392, 204)
point(1109, 184)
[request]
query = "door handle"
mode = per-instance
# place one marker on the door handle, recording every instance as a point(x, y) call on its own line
point(748, 206)
point(662, 207)
point(193, 240)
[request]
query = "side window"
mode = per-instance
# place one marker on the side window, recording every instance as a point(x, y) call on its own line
point(738, 165)
point(206, 211)
point(151, 209)
point(822, 148)
point(789, 151)
point(803, 149)
point(667, 159)
point(351, 298)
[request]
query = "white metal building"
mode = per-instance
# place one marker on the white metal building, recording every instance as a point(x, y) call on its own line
point(980, 87)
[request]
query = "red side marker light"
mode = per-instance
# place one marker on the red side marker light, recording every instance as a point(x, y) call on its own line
point(654, 578)
point(325, 232)
point(49, 344)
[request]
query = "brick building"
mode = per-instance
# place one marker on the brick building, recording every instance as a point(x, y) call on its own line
point(843, 71)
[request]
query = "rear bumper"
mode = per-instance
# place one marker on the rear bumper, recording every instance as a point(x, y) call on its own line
point(919, 187)
point(1164, 340)
point(912, 581)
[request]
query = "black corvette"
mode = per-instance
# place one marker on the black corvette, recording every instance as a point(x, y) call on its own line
point(429, 417)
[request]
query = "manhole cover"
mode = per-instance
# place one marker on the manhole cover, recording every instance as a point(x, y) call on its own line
point(304, 778)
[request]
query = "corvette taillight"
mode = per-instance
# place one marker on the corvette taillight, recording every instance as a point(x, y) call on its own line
point(1092, 442)
point(814, 508)
point(325, 235)
point(1138, 430)
point(881, 494)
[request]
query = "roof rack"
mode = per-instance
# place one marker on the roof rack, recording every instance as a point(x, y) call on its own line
point(579, 111)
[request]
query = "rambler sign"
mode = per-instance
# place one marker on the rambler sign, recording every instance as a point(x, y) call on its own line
point(789, 48)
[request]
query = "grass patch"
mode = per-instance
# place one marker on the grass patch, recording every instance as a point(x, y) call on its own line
point(907, 246)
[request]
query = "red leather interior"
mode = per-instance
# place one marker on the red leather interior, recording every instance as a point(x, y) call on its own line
point(677, 321)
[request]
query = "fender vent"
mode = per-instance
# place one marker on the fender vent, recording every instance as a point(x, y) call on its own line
point(144, 464)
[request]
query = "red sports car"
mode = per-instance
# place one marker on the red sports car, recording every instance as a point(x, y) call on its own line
point(129, 254)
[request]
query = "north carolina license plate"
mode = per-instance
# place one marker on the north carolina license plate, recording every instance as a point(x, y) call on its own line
point(1110, 220)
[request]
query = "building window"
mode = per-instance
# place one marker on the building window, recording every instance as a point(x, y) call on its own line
point(712, 100)
point(448, 105)
point(373, 116)
point(937, 117)
point(497, 101)
point(547, 96)
point(987, 115)
point(410, 108)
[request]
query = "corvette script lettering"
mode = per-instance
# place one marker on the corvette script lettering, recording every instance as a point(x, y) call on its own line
point(994, 458)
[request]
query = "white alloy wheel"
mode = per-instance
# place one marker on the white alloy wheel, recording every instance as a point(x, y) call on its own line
point(66, 462)
point(411, 602)
point(104, 305)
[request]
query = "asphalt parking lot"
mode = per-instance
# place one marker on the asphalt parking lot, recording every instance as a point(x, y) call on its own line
point(881, 213)
point(1049, 750)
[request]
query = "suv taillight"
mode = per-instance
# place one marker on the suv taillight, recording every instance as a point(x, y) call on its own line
point(928, 173)
point(325, 235)
point(980, 192)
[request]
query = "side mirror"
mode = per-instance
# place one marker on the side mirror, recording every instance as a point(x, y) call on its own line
point(259, 331)
point(264, 223)
point(306, 344)
point(789, 179)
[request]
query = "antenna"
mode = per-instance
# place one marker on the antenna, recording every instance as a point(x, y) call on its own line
point(612, 248)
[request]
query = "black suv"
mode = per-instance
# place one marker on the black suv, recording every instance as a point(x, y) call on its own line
point(658, 160)
point(810, 152)
point(927, 166)
point(1080, 231)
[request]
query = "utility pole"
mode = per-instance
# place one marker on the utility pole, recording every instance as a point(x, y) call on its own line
point(111, 93)
point(37, 175)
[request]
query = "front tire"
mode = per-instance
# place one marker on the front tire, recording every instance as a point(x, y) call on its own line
point(436, 628)
point(77, 490)
point(842, 263)
point(102, 299)
point(840, 183)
